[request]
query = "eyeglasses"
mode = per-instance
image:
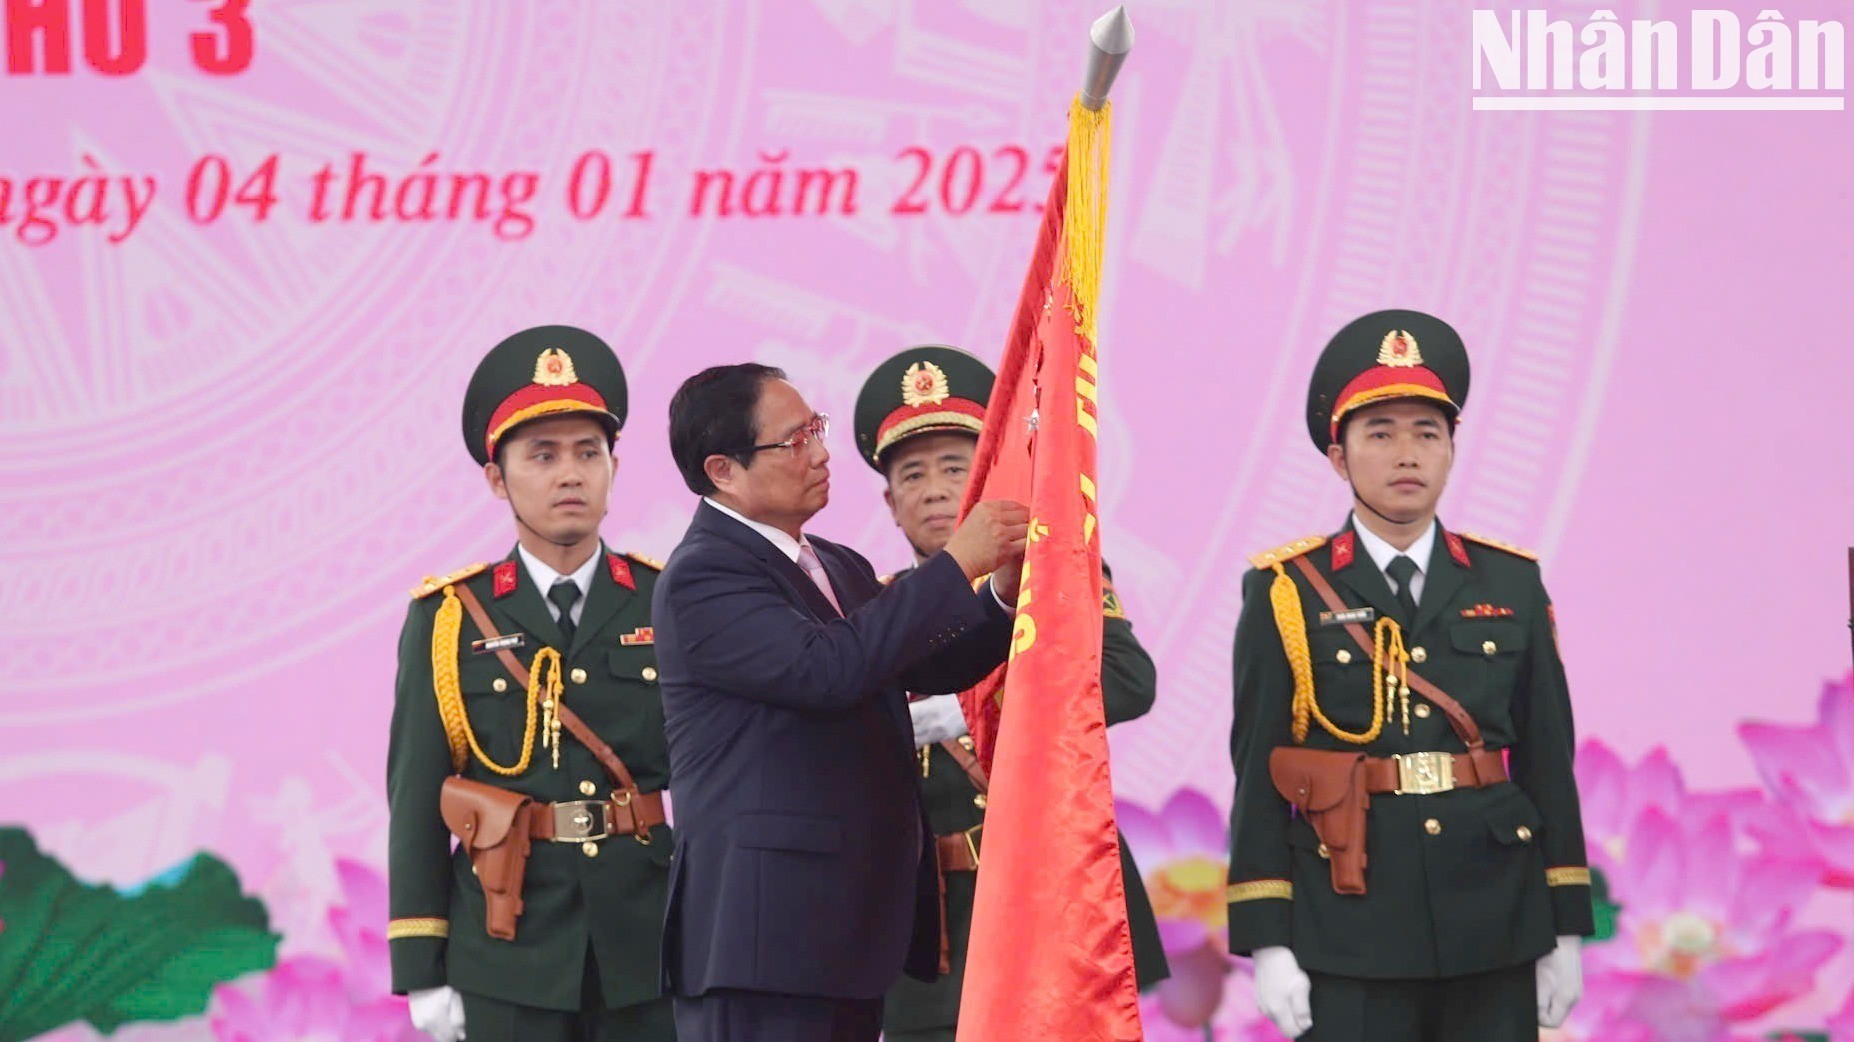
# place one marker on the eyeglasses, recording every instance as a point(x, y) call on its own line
point(814, 430)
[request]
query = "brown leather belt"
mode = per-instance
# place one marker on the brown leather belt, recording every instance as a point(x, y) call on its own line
point(1422, 773)
point(582, 821)
point(959, 851)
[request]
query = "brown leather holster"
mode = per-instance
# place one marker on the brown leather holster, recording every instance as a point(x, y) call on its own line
point(493, 826)
point(1328, 788)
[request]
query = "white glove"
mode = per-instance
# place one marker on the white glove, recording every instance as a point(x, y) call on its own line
point(937, 719)
point(1561, 981)
point(438, 1012)
point(1283, 992)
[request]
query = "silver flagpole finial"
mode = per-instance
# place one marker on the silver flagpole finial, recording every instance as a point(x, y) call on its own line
point(1109, 41)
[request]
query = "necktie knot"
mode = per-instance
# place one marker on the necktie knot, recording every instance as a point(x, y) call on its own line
point(564, 595)
point(1402, 570)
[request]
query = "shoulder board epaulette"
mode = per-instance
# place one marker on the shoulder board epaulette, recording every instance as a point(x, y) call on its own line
point(432, 585)
point(1288, 552)
point(649, 562)
point(1498, 545)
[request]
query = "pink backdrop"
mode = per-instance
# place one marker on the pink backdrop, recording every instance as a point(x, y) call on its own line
point(232, 445)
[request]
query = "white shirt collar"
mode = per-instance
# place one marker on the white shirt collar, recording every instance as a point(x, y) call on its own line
point(545, 577)
point(777, 537)
point(1382, 553)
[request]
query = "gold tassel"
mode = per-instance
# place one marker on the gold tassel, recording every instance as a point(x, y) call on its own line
point(1084, 214)
point(444, 682)
point(1292, 624)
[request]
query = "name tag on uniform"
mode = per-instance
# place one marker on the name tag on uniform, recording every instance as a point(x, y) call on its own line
point(491, 645)
point(1347, 618)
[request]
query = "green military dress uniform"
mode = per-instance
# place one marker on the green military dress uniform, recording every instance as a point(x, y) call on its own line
point(936, 389)
point(583, 960)
point(1466, 887)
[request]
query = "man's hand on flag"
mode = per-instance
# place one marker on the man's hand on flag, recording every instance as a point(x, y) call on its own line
point(992, 538)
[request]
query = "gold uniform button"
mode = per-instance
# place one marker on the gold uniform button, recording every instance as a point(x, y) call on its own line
point(1524, 834)
point(1419, 655)
point(589, 848)
point(1326, 851)
point(979, 801)
point(1433, 827)
point(1422, 710)
point(579, 676)
point(1489, 647)
point(965, 741)
point(500, 685)
point(650, 673)
point(1343, 657)
point(586, 788)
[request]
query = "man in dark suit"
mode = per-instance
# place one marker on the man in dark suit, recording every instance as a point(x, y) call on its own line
point(804, 879)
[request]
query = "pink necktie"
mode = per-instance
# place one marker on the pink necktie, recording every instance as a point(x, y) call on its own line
point(808, 560)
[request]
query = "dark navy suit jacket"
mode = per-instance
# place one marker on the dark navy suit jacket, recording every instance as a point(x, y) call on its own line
point(803, 864)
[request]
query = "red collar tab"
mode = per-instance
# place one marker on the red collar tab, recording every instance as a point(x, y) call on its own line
point(505, 578)
point(621, 571)
point(1457, 549)
point(1345, 548)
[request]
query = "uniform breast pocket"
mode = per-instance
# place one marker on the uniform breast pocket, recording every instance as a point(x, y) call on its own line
point(1495, 647)
point(1341, 677)
point(497, 706)
point(634, 712)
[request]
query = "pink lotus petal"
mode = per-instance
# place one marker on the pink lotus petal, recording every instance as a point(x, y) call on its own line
point(1748, 988)
point(1652, 878)
point(1836, 712)
point(1834, 844)
point(1602, 786)
point(1657, 782)
point(1798, 760)
point(1197, 826)
point(1183, 935)
point(363, 890)
point(1677, 1012)
point(1261, 1029)
point(1146, 835)
point(1710, 857)
point(1768, 890)
point(1195, 989)
point(1841, 1025)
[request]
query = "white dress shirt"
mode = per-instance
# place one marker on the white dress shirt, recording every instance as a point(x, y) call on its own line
point(1382, 554)
point(545, 578)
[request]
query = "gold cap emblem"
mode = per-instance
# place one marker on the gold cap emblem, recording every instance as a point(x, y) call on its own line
point(924, 384)
point(554, 369)
point(1399, 349)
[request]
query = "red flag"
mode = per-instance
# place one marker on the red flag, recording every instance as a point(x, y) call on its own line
point(1051, 956)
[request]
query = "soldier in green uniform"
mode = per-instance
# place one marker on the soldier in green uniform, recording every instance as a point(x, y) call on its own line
point(917, 423)
point(506, 673)
point(1406, 852)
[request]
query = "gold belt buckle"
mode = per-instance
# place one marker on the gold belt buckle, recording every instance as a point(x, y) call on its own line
point(1424, 773)
point(573, 822)
point(971, 835)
